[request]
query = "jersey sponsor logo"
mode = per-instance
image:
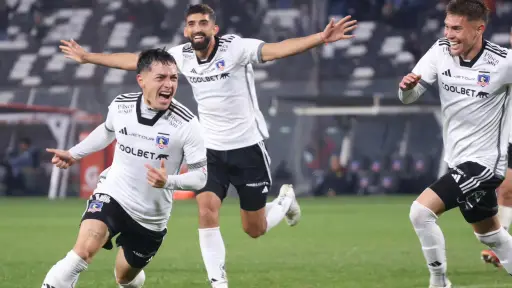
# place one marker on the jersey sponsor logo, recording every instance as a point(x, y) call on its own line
point(464, 78)
point(95, 206)
point(491, 59)
point(162, 141)
point(162, 157)
point(459, 90)
point(208, 78)
point(484, 78)
point(258, 184)
point(221, 64)
point(482, 95)
point(125, 108)
point(447, 73)
point(136, 152)
point(124, 131)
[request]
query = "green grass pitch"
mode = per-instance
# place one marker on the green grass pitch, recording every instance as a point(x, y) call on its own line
point(343, 242)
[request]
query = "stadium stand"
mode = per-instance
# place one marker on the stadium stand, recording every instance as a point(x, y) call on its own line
point(387, 151)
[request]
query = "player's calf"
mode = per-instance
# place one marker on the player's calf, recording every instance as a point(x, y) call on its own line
point(498, 240)
point(254, 223)
point(92, 236)
point(131, 282)
point(432, 242)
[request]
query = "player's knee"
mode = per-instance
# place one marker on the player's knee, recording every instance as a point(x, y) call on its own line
point(209, 215)
point(255, 227)
point(421, 215)
point(126, 282)
point(505, 191)
point(255, 231)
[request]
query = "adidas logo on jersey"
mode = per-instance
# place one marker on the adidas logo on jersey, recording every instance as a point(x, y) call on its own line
point(123, 131)
point(456, 177)
point(193, 71)
point(447, 73)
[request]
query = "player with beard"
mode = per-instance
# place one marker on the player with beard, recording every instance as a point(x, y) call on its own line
point(220, 71)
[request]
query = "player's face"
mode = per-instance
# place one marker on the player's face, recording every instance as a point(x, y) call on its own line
point(159, 85)
point(199, 29)
point(462, 34)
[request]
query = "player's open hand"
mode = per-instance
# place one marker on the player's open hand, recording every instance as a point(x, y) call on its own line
point(61, 158)
point(338, 31)
point(157, 177)
point(409, 81)
point(73, 51)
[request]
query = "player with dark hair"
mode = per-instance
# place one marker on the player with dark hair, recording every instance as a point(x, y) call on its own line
point(474, 77)
point(151, 129)
point(220, 71)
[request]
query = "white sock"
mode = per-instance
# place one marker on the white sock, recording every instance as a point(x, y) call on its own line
point(65, 272)
point(137, 282)
point(275, 211)
point(500, 242)
point(214, 254)
point(268, 207)
point(505, 216)
point(432, 242)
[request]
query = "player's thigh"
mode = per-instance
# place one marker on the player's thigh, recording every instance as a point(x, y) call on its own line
point(217, 181)
point(477, 198)
point(96, 227)
point(250, 174)
point(441, 196)
point(139, 244)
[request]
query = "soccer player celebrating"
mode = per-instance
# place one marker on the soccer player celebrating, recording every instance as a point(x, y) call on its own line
point(154, 132)
point(474, 78)
point(220, 71)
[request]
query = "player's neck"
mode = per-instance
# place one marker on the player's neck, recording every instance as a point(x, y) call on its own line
point(473, 52)
point(204, 54)
point(147, 104)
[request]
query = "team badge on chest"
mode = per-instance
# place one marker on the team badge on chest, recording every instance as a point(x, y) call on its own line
point(162, 140)
point(220, 65)
point(483, 78)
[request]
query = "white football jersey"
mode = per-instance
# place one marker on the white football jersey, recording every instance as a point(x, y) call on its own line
point(172, 135)
point(474, 102)
point(223, 86)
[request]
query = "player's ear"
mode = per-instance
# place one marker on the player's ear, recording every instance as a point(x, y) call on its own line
point(216, 29)
point(140, 81)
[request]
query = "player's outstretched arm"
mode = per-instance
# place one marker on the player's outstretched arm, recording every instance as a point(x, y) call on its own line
point(99, 138)
point(333, 32)
point(124, 61)
point(61, 158)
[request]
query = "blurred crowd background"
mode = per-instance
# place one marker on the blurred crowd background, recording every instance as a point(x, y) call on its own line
point(47, 100)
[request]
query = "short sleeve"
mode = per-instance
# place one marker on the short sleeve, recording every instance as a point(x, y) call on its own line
point(248, 50)
point(427, 66)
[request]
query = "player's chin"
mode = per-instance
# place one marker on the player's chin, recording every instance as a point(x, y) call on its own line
point(456, 50)
point(163, 102)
